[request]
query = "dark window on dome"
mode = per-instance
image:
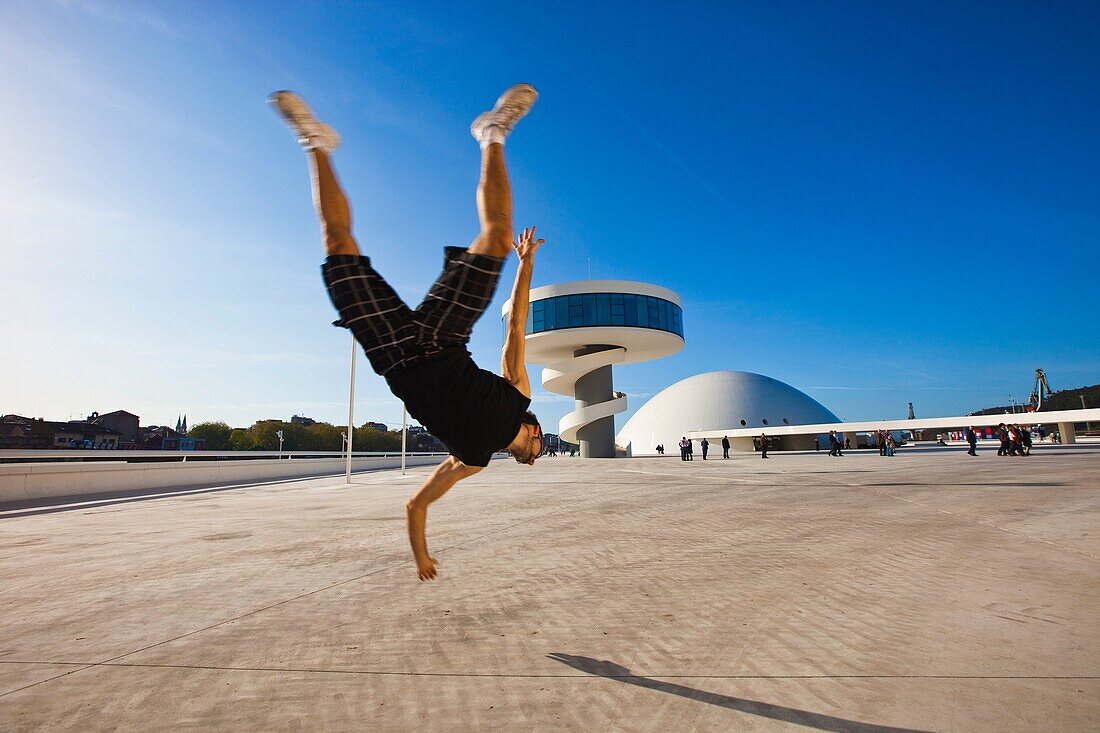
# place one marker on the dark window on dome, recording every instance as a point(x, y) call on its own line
point(765, 421)
point(786, 421)
point(743, 423)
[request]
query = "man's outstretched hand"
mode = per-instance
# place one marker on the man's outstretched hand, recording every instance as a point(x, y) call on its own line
point(526, 245)
point(425, 568)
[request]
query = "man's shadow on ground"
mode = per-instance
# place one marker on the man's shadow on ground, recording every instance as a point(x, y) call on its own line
point(610, 670)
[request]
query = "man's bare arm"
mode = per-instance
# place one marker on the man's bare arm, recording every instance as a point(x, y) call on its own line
point(512, 366)
point(445, 475)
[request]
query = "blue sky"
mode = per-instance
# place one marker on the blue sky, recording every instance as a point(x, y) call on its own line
point(874, 202)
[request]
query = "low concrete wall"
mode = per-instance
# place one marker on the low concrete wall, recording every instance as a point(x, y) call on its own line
point(28, 481)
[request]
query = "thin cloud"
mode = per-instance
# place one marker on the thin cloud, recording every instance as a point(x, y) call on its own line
point(17, 201)
point(67, 73)
point(132, 15)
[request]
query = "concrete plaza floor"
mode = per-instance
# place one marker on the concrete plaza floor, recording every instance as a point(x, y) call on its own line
point(928, 592)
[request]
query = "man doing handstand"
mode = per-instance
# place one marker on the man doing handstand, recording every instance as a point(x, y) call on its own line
point(422, 352)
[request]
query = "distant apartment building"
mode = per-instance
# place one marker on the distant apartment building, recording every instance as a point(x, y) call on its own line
point(84, 434)
point(74, 434)
point(302, 420)
point(16, 432)
point(380, 426)
point(109, 431)
point(29, 433)
point(127, 424)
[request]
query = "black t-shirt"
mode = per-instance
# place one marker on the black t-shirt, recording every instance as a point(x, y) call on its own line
point(474, 412)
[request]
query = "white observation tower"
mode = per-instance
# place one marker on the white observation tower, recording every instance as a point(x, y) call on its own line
point(577, 330)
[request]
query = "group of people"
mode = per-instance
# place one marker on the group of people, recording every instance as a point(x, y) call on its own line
point(1015, 440)
point(884, 439)
point(553, 449)
point(886, 442)
point(687, 453)
point(836, 444)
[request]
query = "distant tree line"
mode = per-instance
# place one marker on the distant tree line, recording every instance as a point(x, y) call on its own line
point(1070, 399)
point(320, 436)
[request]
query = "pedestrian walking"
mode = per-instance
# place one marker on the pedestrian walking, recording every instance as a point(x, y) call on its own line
point(706, 445)
point(725, 446)
point(684, 448)
point(763, 445)
point(972, 439)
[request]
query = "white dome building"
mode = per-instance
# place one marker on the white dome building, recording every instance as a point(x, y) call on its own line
point(719, 401)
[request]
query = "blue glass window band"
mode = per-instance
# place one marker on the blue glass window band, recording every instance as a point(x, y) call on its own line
point(605, 309)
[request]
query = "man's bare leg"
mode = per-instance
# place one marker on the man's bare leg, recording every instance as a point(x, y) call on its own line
point(494, 205)
point(332, 206)
point(319, 140)
point(494, 192)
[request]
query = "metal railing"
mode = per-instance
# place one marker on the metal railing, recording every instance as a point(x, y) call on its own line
point(140, 456)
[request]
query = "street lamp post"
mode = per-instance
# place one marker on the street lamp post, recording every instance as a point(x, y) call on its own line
point(280, 434)
point(351, 412)
point(404, 431)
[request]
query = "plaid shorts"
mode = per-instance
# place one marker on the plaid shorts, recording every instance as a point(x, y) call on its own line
point(395, 337)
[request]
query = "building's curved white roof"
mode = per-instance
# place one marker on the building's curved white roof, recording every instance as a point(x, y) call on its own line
point(715, 401)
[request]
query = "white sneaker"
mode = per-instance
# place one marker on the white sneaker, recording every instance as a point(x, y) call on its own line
point(312, 133)
point(494, 125)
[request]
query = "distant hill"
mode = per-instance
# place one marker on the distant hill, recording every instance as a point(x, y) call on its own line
point(1067, 399)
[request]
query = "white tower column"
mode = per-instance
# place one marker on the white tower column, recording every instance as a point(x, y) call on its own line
point(597, 438)
point(578, 330)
